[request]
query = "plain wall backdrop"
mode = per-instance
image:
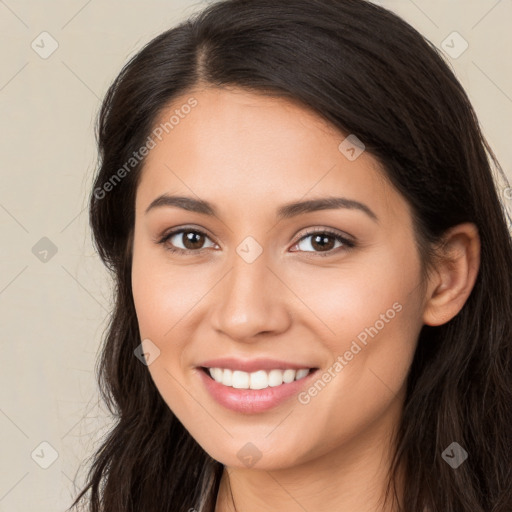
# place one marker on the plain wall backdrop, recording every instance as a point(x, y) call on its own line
point(58, 58)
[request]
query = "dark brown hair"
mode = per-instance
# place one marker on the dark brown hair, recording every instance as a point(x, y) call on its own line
point(366, 71)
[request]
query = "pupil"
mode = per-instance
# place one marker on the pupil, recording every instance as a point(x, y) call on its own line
point(189, 240)
point(321, 241)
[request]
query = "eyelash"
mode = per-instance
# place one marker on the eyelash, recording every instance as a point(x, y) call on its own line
point(348, 244)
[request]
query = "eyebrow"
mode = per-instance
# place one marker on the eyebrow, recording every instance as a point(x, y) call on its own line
point(286, 211)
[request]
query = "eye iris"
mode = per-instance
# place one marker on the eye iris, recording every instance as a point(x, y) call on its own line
point(194, 238)
point(319, 242)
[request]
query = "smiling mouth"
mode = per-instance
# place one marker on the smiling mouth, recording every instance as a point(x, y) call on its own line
point(260, 379)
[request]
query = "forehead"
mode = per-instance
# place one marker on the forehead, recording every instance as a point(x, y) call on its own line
point(255, 150)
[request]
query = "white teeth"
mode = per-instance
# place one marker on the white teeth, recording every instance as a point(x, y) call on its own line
point(301, 373)
point(260, 379)
point(227, 377)
point(240, 380)
point(216, 373)
point(275, 378)
point(289, 375)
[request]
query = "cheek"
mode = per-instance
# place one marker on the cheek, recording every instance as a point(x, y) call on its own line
point(167, 298)
point(163, 292)
point(163, 296)
point(371, 351)
point(366, 290)
point(368, 315)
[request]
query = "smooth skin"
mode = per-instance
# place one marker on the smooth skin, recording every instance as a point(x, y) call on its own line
point(248, 154)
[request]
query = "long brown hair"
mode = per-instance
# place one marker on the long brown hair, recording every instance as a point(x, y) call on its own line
point(367, 72)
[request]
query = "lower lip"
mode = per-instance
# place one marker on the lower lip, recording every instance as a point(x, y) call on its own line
point(249, 401)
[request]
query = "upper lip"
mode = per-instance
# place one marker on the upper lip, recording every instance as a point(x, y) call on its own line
point(252, 365)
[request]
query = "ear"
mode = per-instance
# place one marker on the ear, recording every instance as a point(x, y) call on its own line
point(455, 274)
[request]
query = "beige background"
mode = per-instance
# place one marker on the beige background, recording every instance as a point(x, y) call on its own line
point(53, 313)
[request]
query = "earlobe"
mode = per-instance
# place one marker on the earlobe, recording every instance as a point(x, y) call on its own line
point(455, 274)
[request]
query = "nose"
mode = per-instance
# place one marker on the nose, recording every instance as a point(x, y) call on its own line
point(250, 301)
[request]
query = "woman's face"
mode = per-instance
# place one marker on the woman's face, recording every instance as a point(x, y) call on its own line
point(252, 292)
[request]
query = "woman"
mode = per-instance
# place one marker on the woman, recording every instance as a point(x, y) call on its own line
point(313, 272)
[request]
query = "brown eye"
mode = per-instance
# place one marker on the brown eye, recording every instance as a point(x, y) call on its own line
point(323, 242)
point(192, 240)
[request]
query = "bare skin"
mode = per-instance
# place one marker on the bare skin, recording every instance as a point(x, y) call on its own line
point(247, 155)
